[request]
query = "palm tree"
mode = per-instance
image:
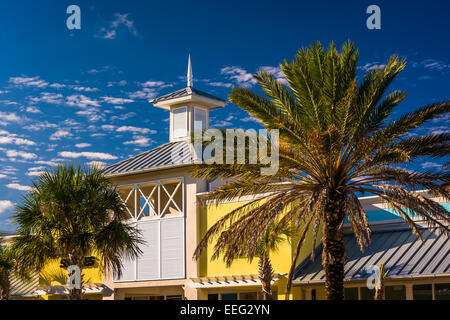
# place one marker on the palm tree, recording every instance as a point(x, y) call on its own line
point(73, 213)
point(379, 289)
point(269, 244)
point(6, 269)
point(337, 140)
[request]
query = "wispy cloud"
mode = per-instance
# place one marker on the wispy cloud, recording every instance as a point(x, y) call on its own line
point(10, 138)
point(19, 187)
point(61, 133)
point(110, 32)
point(112, 100)
point(14, 154)
point(139, 141)
point(88, 155)
point(239, 75)
point(135, 130)
point(83, 145)
point(28, 82)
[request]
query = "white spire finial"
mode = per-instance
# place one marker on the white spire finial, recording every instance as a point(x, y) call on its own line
point(190, 80)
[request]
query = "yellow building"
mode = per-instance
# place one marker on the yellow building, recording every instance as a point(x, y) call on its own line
point(50, 282)
point(165, 203)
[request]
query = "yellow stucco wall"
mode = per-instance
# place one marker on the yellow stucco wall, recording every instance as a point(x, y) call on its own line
point(52, 275)
point(281, 259)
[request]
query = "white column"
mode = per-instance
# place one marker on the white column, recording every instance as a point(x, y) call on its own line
point(308, 294)
point(409, 291)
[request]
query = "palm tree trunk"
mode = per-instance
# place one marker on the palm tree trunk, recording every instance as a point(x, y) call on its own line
point(77, 294)
point(379, 293)
point(266, 276)
point(333, 255)
point(6, 287)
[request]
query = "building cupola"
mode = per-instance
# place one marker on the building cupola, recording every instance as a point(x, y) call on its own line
point(189, 108)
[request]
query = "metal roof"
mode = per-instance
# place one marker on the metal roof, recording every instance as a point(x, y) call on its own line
point(402, 252)
point(170, 154)
point(63, 289)
point(23, 288)
point(185, 92)
point(231, 281)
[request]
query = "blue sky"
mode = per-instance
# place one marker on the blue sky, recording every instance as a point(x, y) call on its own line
point(81, 95)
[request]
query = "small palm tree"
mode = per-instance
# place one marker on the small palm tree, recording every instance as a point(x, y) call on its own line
point(337, 140)
point(379, 289)
point(73, 213)
point(268, 244)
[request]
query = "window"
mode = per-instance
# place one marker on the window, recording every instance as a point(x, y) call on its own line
point(367, 294)
point(156, 298)
point(313, 294)
point(199, 119)
point(395, 293)
point(229, 296)
point(177, 297)
point(423, 292)
point(442, 291)
point(350, 293)
point(248, 296)
point(148, 204)
point(179, 122)
point(213, 296)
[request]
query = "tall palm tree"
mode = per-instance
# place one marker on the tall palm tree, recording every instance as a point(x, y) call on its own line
point(73, 213)
point(337, 140)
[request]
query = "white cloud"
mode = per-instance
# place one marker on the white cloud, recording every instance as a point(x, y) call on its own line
point(140, 141)
point(9, 117)
point(123, 116)
point(135, 130)
point(108, 127)
point(98, 164)
point(120, 83)
point(111, 31)
point(431, 64)
point(83, 145)
point(220, 84)
point(5, 205)
point(81, 101)
point(28, 82)
point(372, 66)
point(20, 154)
point(17, 186)
point(59, 134)
point(145, 93)
point(277, 73)
point(34, 173)
point(48, 97)
point(100, 70)
point(249, 119)
point(8, 138)
point(32, 109)
point(239, 75)
point(88, 155)
point(48, 163)
point(40, 126)
point(112, 100)
point(85, 89)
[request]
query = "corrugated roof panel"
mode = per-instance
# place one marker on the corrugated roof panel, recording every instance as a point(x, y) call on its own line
point(184, 92)
point(160, 156)
point(402, 252)
point(23, 288)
